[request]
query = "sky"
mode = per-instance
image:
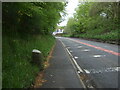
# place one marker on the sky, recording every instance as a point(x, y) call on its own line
point(70, 8)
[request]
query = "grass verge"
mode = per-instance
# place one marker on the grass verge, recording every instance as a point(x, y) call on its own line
point(18, 71)
point(39, 79)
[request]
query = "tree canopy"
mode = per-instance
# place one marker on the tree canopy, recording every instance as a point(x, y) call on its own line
point(31, 18)
point(95, 18)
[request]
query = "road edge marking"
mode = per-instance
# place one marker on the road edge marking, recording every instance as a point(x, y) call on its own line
point(70, 58)
point(79, 71)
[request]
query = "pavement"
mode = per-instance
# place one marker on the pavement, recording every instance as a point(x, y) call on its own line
point(61, 72)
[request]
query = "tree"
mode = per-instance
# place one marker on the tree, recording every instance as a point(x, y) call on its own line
point(31, 18)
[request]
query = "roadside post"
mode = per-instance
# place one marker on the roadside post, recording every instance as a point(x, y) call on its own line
point(37, 58)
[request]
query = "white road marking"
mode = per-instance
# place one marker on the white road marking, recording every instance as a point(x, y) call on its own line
point(99, 56)
point(86, 71)
point(78, 72)
point(111, 69)
point(71, 51)
point(76, 57)
point(86, 50)
point(96, 56)
point(79, 46)
point(117, 69)
point(68, 47)
point(79, 68)
point(62, 43)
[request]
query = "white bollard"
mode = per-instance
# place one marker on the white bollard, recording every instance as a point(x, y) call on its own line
point(37, 58)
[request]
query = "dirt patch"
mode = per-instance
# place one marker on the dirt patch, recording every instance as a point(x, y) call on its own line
point(47, 64)
point(39, 80)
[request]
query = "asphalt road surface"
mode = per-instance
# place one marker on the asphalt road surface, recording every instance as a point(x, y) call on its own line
point(98, 60)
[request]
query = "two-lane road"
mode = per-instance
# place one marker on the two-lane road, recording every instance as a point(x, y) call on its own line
point(98, 60)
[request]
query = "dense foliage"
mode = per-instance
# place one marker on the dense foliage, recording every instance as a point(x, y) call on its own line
point(31, 18)
point(26, 26)
point(96, 20)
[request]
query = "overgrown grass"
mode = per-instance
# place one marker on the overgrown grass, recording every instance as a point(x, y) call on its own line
point(18, 71)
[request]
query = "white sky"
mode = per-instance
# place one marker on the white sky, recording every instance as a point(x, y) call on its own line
point(70, 8)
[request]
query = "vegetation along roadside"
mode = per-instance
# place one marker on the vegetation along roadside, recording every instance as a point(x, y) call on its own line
point(98, 21)
point(26, 26)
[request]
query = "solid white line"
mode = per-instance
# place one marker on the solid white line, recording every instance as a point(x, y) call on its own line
point(71, 60)
point(62, 43)
point(77, 65)
point(87, 71)
point(69, 52)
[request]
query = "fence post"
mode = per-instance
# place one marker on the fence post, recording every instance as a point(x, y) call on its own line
point(37, 58)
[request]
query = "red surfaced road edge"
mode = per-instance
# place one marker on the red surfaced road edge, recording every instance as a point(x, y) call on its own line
point(102, 49)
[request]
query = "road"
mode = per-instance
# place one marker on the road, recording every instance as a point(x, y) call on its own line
point(98, 60)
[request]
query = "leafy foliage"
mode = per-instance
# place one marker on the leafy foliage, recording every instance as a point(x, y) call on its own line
point(26, 26)
point(95, 18)
point(31, 18)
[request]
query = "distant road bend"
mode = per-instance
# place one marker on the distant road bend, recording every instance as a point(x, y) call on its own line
point(98, 60)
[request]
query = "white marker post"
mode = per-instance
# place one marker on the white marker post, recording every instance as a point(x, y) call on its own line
point(37, 58)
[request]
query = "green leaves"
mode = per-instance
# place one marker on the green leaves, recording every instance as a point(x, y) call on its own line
point(97, 20)
point(25, 27)
point(31, 18)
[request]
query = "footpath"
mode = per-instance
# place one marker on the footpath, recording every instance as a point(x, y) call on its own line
point(60, 73)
